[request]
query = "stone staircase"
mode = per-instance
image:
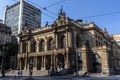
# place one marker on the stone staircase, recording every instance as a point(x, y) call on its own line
point(96, 75)
point(26, 73)
point(85, 74)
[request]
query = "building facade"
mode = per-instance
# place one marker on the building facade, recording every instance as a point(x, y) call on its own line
point(5, 34)
point(20, 14)
point(68, 44)
point(1, 21)
point(117, 38)
point(5, 37)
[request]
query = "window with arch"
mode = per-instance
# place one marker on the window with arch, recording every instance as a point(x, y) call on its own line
point(78, 41)
point(50, 44)
point(42, 45)
point(33, 46)
point(61, 41)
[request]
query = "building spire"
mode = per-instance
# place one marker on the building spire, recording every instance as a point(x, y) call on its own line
point(62, 12)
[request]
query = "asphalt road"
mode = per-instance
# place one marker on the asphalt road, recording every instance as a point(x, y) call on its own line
point(62, 78)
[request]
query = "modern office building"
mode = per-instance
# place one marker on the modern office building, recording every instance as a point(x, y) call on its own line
point(68, 45)
point(20, 14)
point(1, 21)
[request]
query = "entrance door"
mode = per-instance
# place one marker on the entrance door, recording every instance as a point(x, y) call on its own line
point(22, 60)
point(39, 63)
point(61, 60)
point(96, 64)
point(48, 62)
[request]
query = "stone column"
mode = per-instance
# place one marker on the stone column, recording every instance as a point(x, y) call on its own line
point(26, 55)
point(66, 60)
point(44, 63)
point(56, 41)
point(20, 47)
point(45, 44)
point(37, 45)
point(66, 49)
point(104, 61)
point(28, 49)
point(69, 38)
point(27, 63)
point(84, 59)
point(66, 37)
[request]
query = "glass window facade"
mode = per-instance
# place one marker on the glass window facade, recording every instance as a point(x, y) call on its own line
point(30, 14)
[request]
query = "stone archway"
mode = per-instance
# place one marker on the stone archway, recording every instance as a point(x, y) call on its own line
point(60, 60)
point(31, 63)
point(39, 62)
point(48, 62)
point(22, 62)
point(96, 64)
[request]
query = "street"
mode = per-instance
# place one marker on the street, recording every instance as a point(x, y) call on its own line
point(62, 78)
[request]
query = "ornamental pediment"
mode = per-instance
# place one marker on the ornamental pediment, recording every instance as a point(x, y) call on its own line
point(25, 31)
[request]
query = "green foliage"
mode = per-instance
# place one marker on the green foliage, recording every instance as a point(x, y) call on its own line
point(12, 49)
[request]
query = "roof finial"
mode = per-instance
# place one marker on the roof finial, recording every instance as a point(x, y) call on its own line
point(46, 24)
point(61, 10)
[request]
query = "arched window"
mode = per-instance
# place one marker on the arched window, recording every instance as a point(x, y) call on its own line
point(42, 45)
point(50, 44)
point(24, 45)
point(33, 46)
point(61, 41)
point(78, 40)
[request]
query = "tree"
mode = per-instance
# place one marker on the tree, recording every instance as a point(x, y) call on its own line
point(12, 49)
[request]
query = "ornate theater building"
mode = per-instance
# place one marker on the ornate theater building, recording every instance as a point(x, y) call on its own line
point(69, 44)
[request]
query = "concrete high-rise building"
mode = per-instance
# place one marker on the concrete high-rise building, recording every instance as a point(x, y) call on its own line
point(20, 14)
point(1, 21)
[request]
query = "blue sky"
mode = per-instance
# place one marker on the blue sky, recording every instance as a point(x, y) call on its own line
point(78, 9)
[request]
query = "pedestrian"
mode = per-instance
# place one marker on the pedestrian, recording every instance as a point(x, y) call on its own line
point(18, 73)
point(56, 71)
